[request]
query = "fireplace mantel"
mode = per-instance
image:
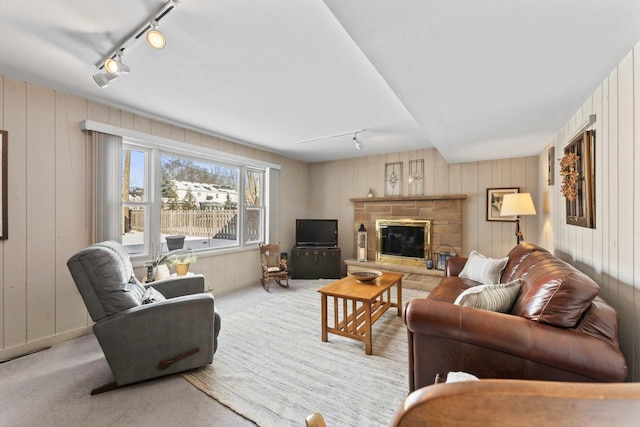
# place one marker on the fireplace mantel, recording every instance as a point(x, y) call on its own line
point(394, 199)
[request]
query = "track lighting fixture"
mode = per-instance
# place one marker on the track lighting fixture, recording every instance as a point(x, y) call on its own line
point(115, 65)
point(356, 142)
point(103, 79)
point(112, 62)
point(154, 37)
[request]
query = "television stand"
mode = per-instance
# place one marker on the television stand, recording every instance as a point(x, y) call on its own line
point(315, 262)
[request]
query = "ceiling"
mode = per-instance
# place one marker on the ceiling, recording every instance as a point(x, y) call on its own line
point(476, 79)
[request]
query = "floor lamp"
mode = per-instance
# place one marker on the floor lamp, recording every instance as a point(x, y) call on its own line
point(517, 204)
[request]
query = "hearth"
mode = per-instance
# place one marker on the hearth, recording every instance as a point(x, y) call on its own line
point(403, 239)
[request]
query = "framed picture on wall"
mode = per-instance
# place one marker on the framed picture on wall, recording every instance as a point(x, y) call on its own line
point(494, 203)
point(4, 153)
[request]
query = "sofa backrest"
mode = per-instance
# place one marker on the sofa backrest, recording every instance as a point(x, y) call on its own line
point(516, 255)
point(553, 291)
point(105, 278)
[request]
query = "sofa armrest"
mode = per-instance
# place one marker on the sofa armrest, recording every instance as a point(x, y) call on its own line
point(454, 265)
point(445, 337)
point(178, 286)
point(134, 341)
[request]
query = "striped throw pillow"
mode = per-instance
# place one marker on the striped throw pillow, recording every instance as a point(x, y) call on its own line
point(482, 269)
point(499, 297)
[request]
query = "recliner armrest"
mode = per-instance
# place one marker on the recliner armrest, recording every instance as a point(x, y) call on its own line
point(178, 286)
point(134, 341)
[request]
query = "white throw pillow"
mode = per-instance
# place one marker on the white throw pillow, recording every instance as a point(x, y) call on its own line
point(482, 269)
point(152, 295)
point(499, 297)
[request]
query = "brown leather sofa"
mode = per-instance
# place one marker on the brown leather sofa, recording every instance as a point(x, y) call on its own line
point(558, 328)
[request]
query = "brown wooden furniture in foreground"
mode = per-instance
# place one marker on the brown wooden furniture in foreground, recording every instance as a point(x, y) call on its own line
point(356, 306)
point(521, 403)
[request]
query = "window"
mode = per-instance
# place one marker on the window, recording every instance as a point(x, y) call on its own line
point(253, 206)
point(151, 188)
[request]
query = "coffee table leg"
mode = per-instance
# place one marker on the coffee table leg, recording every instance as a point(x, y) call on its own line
point(323, 308)
point(399, 287)
point(367, 329)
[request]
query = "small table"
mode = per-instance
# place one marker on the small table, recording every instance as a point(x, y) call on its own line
point(356, 320)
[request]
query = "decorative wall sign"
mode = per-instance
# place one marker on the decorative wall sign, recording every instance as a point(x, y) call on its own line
point(4, 154)
point(416, 177)
point(393, 179)
point(494, 203)
point(577, 168)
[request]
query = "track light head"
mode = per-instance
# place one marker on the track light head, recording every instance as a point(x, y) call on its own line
point(103, 79)
point(154, 37)
point(115, 65)
point(356, 142)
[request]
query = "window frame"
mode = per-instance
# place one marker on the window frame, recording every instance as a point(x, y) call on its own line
point(159, 146)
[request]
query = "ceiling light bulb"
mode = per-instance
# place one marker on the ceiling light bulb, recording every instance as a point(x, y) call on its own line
point(155, 38)
point(115, 66)
point(111, 66)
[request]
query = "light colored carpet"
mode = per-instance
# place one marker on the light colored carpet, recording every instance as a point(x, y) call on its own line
point(272, 367)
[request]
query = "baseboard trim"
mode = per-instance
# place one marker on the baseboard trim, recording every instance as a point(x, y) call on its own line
point(42, 344)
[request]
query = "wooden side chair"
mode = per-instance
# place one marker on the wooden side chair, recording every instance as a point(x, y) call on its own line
point(273, 266)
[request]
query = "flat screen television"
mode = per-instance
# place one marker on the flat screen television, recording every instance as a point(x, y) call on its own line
point(317, 232)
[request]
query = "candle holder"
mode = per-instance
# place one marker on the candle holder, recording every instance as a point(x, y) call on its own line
point(362, 244)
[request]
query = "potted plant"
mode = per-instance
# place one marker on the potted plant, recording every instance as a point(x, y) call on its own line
point(160, 270)
point(181, 263)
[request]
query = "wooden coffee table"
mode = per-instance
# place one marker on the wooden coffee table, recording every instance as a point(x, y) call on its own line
point(356, 306)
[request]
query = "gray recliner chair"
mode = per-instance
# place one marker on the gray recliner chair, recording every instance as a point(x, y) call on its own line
point(145, 331)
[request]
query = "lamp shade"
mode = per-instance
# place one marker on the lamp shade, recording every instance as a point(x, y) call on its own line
point(517, 204)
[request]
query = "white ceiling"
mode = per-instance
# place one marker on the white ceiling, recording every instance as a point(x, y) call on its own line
point(476, 79)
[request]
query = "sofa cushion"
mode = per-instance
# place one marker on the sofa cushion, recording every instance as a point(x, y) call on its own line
point(553, 291)
point(499, 297)
point(450, 287)
point(482, 269)
point(516, 256)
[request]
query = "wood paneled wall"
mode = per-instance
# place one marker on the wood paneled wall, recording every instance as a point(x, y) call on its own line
point(50, 211)
point(333, 183)
point(610, 253)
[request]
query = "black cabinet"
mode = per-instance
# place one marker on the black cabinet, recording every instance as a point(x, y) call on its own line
point(315, 263)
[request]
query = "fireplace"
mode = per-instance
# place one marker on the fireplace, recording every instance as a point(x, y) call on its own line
point(402, 239)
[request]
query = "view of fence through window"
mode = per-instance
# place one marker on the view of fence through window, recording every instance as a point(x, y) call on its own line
point(199, 200)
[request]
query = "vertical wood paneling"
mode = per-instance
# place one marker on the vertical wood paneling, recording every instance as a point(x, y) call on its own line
point(486, 231)
point(455, 179)
point(613, 188)
point(597, 241)
point(15, 277)
point(609, 253)
point(429, 171)
point(625, 201)
point(441, 184)
point(472, 207)
point(625, 166)
point(70, 207)
point(636, 216)
point(2, 265)
point(605, 171)
point(40, 212)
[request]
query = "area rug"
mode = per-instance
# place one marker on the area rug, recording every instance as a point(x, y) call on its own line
point(272, 368)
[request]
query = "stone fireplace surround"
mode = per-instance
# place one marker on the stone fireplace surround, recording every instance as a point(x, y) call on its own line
point(445, 213)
